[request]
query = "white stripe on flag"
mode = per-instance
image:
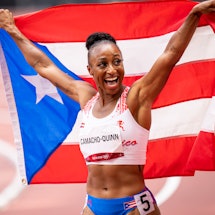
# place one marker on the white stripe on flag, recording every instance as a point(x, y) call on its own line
point(136, 52)
point(181, 119)
point(208, 124)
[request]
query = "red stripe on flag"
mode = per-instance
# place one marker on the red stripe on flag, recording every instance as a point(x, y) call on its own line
point(85, 19)
point(202, 156)
point(186, 82)
point(67, 164)
point(168, 156)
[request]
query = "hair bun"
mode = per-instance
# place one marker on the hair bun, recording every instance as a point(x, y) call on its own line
point(97, 37)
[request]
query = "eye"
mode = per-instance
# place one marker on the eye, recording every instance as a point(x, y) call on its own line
point(117, 62)
point(102, 65)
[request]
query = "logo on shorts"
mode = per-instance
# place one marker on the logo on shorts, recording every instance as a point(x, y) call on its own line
point(128, 205)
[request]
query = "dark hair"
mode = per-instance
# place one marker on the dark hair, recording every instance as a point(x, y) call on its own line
point(98, 37)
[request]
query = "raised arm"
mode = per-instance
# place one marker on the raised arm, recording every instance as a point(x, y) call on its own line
point(78, 90)
point(146, 89)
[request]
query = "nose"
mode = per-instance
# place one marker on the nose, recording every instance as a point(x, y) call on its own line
point(111, 69)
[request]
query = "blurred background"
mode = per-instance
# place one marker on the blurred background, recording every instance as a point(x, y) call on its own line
point(176, 195)
point(20, 6)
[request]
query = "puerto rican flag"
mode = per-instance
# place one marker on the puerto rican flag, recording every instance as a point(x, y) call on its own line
point(46, 121)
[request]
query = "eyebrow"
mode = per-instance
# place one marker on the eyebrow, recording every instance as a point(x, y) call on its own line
point(115, 55)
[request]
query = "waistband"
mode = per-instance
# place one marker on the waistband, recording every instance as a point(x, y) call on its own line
point(124, 203)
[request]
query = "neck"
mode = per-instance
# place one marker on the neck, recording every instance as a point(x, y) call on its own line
point(105, 99)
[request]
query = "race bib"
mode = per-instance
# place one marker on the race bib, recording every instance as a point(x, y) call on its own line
point(101, 143)
point(145, 202)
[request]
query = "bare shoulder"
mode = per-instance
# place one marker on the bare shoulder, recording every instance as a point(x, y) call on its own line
point(138, 95)
point(85, 92)
point(140, 104)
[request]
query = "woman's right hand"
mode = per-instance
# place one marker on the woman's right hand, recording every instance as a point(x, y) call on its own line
point(6, 19)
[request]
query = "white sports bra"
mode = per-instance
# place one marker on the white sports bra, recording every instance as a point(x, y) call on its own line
point(115, 139)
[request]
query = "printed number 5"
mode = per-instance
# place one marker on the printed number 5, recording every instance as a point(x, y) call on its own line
point(145, 202)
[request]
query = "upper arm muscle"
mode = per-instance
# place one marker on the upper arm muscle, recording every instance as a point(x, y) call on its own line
point(78, 90)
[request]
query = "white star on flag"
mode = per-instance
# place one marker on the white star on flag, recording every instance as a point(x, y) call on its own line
point(43, 87)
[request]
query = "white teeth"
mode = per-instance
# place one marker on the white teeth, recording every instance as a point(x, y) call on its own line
point(111, 79)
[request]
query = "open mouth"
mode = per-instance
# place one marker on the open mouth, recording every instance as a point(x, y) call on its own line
point(111, 81)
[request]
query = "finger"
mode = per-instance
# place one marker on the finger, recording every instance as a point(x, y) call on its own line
point(2, 10)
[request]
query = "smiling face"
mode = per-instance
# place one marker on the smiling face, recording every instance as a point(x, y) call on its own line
point(106, 67)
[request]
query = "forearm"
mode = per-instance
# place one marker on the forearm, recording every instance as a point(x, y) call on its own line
point(181, 38)
point(35, 57)
point(155, 80)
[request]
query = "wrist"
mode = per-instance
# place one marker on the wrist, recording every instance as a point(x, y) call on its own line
point(196, 11)
point(11, 29)
point(194, 15)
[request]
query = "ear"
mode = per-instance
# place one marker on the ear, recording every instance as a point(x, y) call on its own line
point(89, 70)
